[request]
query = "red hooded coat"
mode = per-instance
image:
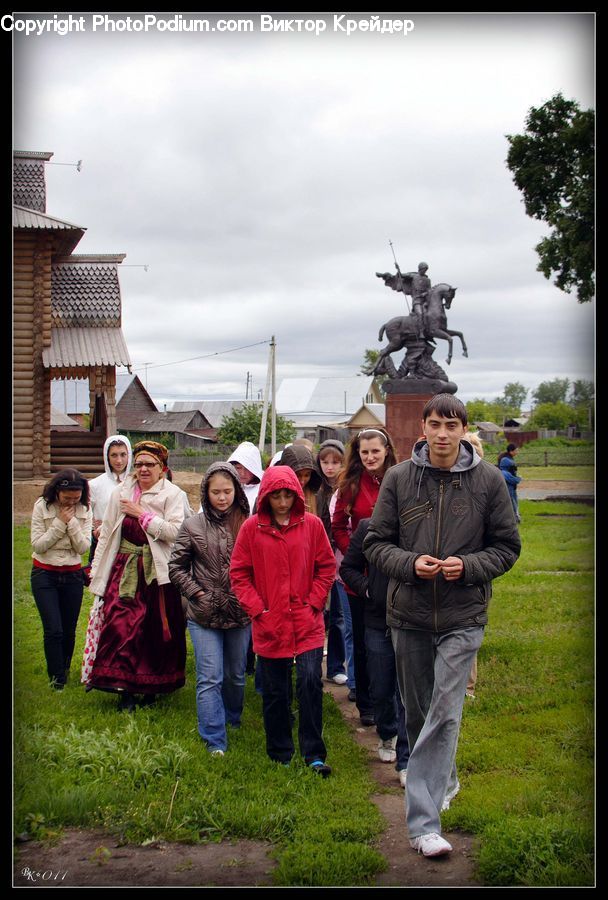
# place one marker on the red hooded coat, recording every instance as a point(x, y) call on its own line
point(281, 577)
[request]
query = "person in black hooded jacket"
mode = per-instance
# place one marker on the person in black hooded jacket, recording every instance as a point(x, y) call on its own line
point(371, 586)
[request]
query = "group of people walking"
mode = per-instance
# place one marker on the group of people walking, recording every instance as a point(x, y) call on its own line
point(397, 557)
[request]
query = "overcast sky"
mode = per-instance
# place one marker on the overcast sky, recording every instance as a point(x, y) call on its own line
point(261, 175)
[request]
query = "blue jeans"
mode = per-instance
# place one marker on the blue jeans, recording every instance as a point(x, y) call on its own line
point(220, 656)
point(357, 611)
point(389, 712)
point(433, 669)
point(340, 636)
point(276, 704)
point(58, 596)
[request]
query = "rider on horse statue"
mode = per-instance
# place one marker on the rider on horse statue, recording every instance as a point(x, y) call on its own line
point(417, 285)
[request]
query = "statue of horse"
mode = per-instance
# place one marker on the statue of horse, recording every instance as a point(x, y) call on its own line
point(402, 329)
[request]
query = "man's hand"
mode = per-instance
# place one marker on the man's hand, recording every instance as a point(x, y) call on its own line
point(427, 566)
point(452, 568)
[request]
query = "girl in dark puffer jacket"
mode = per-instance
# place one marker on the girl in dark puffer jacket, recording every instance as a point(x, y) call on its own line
point(219, 627)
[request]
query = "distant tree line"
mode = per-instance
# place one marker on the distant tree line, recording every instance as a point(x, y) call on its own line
point(556, 405)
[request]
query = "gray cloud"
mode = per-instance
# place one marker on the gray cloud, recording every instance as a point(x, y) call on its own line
point(260, 177)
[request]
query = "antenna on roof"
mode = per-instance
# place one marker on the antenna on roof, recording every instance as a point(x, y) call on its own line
point(77, 165)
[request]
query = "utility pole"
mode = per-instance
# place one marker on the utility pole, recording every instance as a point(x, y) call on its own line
point(273, 439)
point(265, 403)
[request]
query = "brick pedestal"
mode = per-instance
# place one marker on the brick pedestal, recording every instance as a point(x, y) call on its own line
point(404, 421)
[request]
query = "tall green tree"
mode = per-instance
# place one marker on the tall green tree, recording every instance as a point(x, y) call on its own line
point(554, 391)
point(583, 393)
point(552, 164)
point(514, 396)
point(553, 416)
point(244, 425)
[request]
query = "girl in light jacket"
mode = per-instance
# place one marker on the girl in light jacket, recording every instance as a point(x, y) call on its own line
point(281, 570)
point(219, 627)
point(60, 534)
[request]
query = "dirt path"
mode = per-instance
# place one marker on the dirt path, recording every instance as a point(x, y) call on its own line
point(91, 858)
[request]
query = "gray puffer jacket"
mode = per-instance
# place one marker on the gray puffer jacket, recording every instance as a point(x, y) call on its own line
point(464, 512)
point(200, 562)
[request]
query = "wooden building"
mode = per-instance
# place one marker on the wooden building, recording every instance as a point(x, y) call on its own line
point(66, 324)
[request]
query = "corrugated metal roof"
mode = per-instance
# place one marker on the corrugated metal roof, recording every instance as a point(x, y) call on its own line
point(486, 426)
point(86, 291)
point(28, 218)
point(71, 347)
point(60, 418)
point(213, 410)
point(171, 421)
point(326, 395)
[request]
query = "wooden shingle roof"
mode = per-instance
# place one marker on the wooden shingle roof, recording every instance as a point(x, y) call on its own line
point(85, 291)
point(29, 187)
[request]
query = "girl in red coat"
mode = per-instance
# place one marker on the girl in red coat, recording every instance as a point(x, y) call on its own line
point(281, 570)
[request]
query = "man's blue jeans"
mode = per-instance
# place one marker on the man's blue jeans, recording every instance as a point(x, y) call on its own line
point(220, 656)
point(276, 704)
point(389, 712)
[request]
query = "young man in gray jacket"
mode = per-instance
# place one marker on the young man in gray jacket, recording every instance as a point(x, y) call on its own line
point(443, 527)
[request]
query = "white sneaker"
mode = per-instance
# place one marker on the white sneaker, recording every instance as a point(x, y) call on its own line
point(217, 752)
point(431, 844)
point(386, 750)
point(449, 797)
point(402, 773)
point(340, 678)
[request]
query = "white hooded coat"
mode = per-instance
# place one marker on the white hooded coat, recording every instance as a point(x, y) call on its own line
point(102, 486)
point(248, 455)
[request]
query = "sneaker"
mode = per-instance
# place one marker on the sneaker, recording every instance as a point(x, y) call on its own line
point(449, 797)
point(402, 773)
point(470, 695)
point(217, 752)
point(340, 678)
point(318, 766)
point(386, 750)
point(431, 844)
point(367, 719)
point(352, 695)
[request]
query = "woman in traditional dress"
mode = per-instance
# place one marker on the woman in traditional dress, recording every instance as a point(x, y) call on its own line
point(142, 642)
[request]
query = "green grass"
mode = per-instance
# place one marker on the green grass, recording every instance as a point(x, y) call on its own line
point(526, 751)
point(78, 762)
point(556, 473)
point(525, 757)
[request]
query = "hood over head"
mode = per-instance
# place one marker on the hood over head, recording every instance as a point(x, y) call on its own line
point(468, 457)
point(278, 478)
point(248, 455)
point(240, 500)
point(117, 439)
point(298, 457)
point(336, 447)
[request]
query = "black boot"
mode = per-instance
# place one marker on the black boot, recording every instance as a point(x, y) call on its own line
point(147, 700)
point(126, 702)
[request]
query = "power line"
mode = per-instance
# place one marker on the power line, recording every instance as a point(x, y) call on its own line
point(193, 358)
